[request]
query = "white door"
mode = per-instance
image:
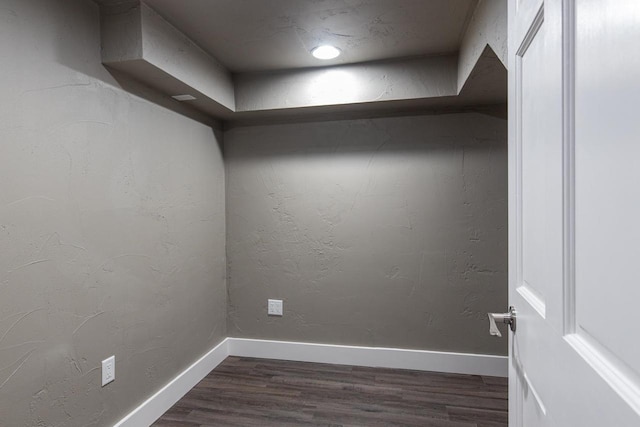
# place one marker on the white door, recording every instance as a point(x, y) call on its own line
point(574, 212)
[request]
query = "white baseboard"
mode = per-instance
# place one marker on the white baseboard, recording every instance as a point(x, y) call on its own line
point(153, 408)
point(422, 360)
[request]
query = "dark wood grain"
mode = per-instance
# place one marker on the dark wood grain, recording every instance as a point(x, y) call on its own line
point(260, 392)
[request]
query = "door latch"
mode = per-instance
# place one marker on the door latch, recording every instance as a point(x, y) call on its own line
point(509, 318)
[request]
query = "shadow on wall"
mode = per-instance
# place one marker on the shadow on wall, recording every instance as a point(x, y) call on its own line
point(308, 139)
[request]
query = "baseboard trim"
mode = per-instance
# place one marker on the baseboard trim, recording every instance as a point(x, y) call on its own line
point(153, 408)
point(422, 360)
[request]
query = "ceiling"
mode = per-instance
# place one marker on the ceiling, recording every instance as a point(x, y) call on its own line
point(260, 35)
point(247, 61)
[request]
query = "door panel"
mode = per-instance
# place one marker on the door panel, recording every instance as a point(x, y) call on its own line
point(526, 10)
point(540, 148)
point(574, 212)
point(607, 163)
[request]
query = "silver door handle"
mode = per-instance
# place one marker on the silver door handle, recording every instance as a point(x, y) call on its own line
point(509, 318)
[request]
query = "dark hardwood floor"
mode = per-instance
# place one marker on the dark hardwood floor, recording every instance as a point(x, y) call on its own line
point(262, 392)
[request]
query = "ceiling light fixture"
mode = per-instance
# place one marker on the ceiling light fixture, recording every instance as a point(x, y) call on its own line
point(325, 52)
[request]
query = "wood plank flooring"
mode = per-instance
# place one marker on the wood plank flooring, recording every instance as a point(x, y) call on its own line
point(261, 392)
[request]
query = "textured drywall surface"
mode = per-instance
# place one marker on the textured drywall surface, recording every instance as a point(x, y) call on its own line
point(111, 227)
point(381, 232)
point(139, 42)
point(488, 26)
point(261, 35)
point(359, 83)
point(170, 50)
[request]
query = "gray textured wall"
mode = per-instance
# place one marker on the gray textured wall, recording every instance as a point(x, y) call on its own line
point(488, 26)
point(385, 232)
point(112, 227)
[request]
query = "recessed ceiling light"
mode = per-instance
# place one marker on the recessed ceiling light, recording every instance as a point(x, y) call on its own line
point(325, 52)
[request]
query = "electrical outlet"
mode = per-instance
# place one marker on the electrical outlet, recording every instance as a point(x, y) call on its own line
point(274, 307)
point(108, 370)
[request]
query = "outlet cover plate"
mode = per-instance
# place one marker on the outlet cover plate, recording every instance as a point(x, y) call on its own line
point(108, 370)
point(274, 307)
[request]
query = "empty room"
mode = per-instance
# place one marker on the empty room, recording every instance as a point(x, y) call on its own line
point(319, 213)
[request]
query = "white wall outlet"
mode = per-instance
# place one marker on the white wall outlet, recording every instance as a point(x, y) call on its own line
point(274, 307)
point(108, 370)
